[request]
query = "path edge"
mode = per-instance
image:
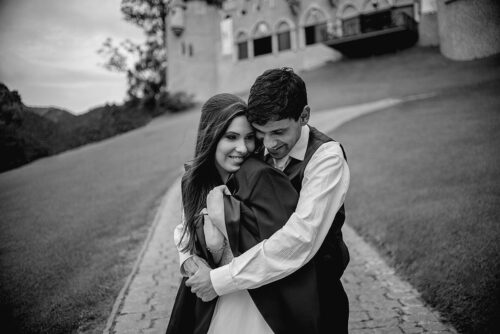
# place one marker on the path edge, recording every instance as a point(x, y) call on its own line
point(123, 292)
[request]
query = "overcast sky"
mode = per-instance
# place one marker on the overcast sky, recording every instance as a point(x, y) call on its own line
point(48, 51)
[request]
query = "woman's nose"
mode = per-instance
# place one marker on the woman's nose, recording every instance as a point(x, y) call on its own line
point(241, 147)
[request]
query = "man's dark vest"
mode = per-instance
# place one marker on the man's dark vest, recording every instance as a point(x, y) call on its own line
point(333, 254)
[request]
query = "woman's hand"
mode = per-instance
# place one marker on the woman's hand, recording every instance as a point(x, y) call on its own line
point(191, 265)
point(213, 236)
point(215, 206)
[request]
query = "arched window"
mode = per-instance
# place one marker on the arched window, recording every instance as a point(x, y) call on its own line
point(315, 27)
point(349, 11)
point(283, 34)
point(350, 21)
point(242, 46)
point(262, 40)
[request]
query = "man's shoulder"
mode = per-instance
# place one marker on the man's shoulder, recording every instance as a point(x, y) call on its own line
point(319, 140)
point(318, 135)
point(331, 150)
point(252, 167)
point(254, 173)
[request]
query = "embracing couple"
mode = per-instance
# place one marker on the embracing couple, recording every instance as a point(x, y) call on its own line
point(260, 243)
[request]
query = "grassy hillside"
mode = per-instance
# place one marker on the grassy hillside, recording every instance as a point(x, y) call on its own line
point(425, 190)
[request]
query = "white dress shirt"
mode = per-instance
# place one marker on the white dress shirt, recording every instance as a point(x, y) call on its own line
point(324, 187)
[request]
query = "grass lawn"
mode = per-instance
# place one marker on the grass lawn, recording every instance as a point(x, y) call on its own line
point(72, 226)
point(409, 72)
point(426, 191)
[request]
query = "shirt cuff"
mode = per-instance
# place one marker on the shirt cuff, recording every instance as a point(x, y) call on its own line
point(222, 281)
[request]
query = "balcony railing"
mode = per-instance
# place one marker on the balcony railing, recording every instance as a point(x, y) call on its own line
point(377, 32)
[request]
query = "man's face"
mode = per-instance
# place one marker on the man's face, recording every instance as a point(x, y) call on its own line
point(279, 137)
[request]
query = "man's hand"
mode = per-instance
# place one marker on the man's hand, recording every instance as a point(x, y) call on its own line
point(200, 282)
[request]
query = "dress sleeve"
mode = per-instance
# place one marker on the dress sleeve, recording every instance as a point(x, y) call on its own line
point(260, 207)
point(181, 242)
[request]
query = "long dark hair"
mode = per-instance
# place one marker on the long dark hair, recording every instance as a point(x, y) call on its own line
point(202, 176)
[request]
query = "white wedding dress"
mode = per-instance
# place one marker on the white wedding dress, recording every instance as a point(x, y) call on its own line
point(236, 313)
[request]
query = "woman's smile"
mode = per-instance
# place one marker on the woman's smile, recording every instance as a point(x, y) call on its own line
point(234, 147)
point(238, 158)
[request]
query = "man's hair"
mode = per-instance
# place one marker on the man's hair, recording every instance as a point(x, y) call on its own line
point(276, 94)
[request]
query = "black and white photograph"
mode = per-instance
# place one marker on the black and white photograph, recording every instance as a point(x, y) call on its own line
point(249, 166)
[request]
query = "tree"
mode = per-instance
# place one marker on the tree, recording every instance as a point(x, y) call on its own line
point(147, 76)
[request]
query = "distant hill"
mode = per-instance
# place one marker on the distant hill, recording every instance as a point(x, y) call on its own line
point(24, 134)
point(29, 133)
point(56, 115)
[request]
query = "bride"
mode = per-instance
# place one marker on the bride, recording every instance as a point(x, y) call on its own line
point(231, 202)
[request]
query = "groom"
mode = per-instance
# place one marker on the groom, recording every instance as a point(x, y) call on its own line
point(317, 168)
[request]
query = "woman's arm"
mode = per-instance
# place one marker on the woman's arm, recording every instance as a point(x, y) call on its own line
point(187, 262)
point(215, 240)
point(181, 238)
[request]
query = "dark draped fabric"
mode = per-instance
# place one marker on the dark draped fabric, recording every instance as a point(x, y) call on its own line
point(262, 201)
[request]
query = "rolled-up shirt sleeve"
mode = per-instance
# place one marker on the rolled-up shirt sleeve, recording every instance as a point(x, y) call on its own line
point(324, 187)
point(181, 242)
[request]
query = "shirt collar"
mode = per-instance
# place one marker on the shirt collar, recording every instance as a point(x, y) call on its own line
point(298, 151)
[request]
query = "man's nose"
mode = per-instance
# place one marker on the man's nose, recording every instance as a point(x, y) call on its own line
point(269, 142)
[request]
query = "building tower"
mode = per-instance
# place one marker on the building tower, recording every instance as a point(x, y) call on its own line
point(192, 45)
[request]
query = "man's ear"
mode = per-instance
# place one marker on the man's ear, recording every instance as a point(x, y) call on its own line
point(304, 115)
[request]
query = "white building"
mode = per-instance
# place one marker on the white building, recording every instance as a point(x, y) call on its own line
point(214, 49)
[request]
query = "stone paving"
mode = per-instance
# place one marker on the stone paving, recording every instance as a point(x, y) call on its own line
point(145, 302)
point(380, 302)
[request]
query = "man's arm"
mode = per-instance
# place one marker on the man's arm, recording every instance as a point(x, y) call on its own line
point(325, 183)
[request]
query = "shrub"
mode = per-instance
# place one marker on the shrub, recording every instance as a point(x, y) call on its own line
point(175, 102)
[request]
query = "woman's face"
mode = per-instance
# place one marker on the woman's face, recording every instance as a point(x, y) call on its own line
point(234, 147)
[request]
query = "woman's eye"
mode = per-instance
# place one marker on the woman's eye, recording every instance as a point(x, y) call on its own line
point(231, 137)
